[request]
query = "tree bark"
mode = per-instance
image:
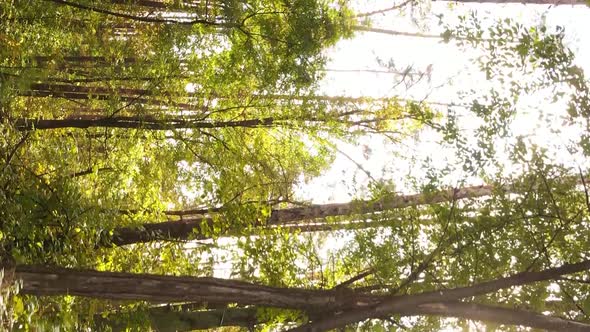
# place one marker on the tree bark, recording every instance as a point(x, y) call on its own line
point(139, 123)
point(346, 305)
point(87, 60)
point(40, 281)
point(192, 228)
point(168, 123)
point(142, 18)
point(7, 271)
point(411, 34)
point(143, 3)
point(148, 97)
point(52, 88)
point(165, 319)
point(395, 33)
point(133, 96)
point(180, 230)
point(55, 89)
point(397, 304)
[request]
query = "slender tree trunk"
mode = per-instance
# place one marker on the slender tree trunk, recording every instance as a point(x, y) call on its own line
point(132, 96)
point(56, 89)
point(139, 123)
point(317, 211)
point(124, 95)
point(84, 60)
point(181, 230)
point(171, 6)
point(112, 78)
point(139, 96)
point(191, 229)
point(7, 271)
point(143, 3)
point(168, 123)
point(395, 33)
point(385, 10)
point(143, 18)
point(410, 34)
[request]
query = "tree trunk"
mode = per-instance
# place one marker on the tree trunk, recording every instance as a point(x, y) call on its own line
point(405, 304)
point(395, 33)
point(180, 230)
point(142, 18)
point(58, 90)
point(138, 123)
point(103, 90)
point(90, 61)
point(132, 96)
point(169, 123)
point(55, 89)
point(413, 34)
point(190, 229)
point(144, 3)
point(166, 319)
point(7, 271)
point(341, 306)
point(40, 281)
point(194, 99)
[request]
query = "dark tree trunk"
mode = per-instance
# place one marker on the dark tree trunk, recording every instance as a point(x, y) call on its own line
point(143, 3)
point(86, 60)
point(39, 280)
point(191, 229)
point(340, 307)
point(133, 96)
point(194, 100)
point(138, 123)
point(7, 270)
point(166, 319)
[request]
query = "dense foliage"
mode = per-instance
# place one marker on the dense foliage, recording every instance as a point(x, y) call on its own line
point(142, 139)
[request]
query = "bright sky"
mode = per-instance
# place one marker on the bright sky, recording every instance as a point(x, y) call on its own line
point(446, 61)
point(448, 64)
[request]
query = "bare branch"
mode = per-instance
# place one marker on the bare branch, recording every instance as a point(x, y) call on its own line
point(383, 11)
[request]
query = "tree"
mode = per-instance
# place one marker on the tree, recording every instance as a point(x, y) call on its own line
point(356, 305)
point(295, 217)
point(184, 319)
point(118, 115)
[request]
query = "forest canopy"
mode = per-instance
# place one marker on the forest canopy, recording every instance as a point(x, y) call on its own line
point(180, 165)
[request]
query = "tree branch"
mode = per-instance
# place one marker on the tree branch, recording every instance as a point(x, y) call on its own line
point(507, 316)
point(396, 304)
point(135, 17)
point(383, 11)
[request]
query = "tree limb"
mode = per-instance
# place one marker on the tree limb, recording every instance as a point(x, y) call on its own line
point(396, 304)
point(506, 316)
